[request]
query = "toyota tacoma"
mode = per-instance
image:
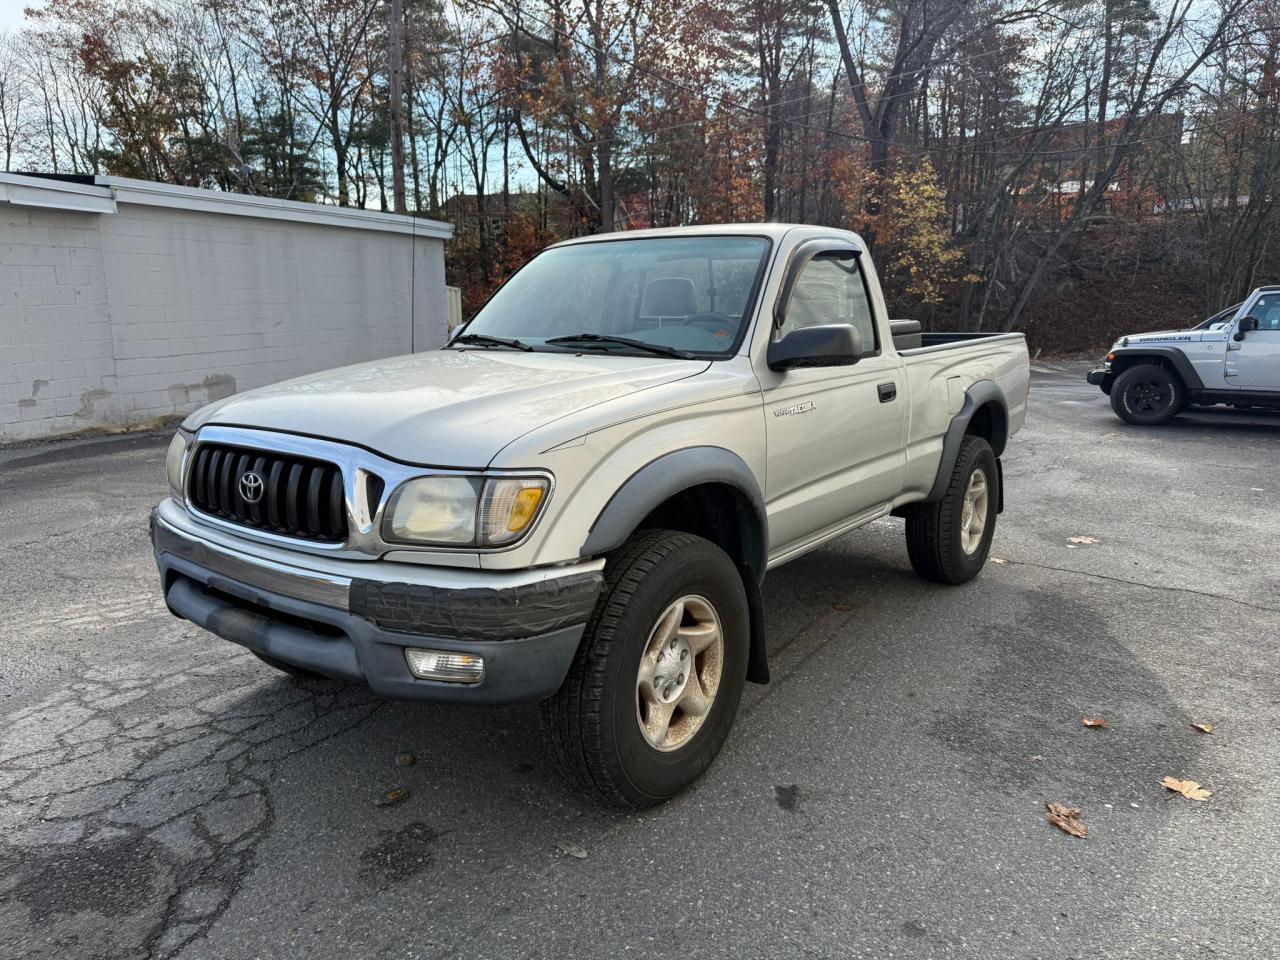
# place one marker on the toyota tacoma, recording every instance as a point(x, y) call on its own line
point(576, 500)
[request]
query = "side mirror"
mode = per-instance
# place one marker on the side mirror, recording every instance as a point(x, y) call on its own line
point(825, 345)
point(1246, 325)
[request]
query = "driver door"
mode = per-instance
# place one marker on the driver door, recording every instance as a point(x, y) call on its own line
point(1253, 363)
point(834, 434)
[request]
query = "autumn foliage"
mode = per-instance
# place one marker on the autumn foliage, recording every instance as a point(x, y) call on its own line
point(1000, 159)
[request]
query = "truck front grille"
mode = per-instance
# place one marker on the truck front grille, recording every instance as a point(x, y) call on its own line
point(296, 496)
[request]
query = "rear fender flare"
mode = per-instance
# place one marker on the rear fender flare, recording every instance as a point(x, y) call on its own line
point(977, 396)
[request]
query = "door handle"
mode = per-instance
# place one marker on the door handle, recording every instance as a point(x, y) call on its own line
point(887, 391)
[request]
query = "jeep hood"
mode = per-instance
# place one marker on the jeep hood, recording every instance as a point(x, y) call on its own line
point(450, 408)
point(1161, 336)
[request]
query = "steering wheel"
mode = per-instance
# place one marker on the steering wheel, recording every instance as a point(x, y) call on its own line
point(709, 320)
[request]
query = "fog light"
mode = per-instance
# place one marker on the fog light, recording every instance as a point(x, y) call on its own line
point(444, 665)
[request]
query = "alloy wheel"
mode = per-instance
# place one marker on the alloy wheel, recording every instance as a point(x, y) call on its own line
point(973, 515)
point(679, 673)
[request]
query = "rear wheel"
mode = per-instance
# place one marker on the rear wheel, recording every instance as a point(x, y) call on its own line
point(948, 540)
point(1147, 395)
point(656, 682)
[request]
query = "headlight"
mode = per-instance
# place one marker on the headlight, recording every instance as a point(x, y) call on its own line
point(508, 508)
point(173, 462)
point(464, 511)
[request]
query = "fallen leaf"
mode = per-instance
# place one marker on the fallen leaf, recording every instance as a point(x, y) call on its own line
point(843, 607)
point(1094, 723)
point(1188, 788)
point(997, 560)
point(405, 759)
point(1067, 819)
point(572, 850)
point(1082, 539)
point(1203, 727)
point(392, 797)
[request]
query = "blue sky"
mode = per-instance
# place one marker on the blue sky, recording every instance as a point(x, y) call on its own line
point(11, 13)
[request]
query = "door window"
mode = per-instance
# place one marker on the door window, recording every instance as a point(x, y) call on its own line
point(831, 289)
point(1267, 311)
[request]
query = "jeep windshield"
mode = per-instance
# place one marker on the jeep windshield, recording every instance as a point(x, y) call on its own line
point(684, 295)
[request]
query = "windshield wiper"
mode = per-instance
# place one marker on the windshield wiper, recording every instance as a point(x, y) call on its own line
point(484, 340)
point(605, 340)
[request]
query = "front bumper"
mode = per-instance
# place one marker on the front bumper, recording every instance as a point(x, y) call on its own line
point(1101, 377)
point(353, 619)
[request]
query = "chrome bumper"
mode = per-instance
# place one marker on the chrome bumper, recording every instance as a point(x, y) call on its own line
point(294, 582)
point(327, 580)
point(525, 624)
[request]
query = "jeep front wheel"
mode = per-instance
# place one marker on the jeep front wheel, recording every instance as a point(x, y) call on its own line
point(1146, 395)
point(656, 682)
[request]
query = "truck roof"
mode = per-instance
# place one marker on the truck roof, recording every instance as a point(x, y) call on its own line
point(773, 231)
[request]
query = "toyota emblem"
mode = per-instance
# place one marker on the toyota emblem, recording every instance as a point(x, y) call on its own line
point(251, 487)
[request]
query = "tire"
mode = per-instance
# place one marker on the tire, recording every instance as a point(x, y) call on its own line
point(289, 668)
point(596, 722)
point(942, 542)
point(1147, 395)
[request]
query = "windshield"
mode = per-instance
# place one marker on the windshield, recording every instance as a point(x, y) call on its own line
point(1218, 319)
point(689, 294)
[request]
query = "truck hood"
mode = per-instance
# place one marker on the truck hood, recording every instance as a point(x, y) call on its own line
point(454, 408)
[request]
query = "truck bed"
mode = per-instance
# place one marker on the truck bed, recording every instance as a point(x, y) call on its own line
point(943, 341)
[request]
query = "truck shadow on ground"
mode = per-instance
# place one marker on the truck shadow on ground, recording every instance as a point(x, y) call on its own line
point(134, 805)
point(1000, 672)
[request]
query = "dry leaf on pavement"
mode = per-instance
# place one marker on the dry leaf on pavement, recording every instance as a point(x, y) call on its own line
point(1067, 819)
point(572, 850)
point(1082, 539)
point(392, 797)
point(843, 607)
point(997, 560)
point(1188, 788)
point(1094, 723)
point(1203, 727)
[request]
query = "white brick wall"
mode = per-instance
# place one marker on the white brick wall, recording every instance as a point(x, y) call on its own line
point(110, 319)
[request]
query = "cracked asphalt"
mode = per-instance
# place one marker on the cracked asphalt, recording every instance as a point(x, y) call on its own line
point(163, 794)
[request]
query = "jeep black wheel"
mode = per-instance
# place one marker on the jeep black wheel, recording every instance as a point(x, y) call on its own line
point(1147, 395)
point(656, 682)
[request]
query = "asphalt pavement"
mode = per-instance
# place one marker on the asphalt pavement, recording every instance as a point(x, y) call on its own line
point(162, 793)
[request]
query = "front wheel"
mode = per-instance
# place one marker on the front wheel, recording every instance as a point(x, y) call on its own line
point(948, 540)
point(656, 681)
point(1147, 395)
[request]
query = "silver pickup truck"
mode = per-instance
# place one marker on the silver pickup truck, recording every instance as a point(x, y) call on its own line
point(577, 499)
point(1231, 358)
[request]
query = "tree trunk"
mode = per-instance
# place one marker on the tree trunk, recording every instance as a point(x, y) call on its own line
point(395, 60)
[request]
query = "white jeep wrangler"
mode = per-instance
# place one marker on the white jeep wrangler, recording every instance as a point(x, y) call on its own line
point(1233, 358)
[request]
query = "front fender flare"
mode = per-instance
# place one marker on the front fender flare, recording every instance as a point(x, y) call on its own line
point(1170, 355)
point(659, 480)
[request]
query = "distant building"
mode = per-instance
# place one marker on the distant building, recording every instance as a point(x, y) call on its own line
point(124, 302)
point(1066, 156)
